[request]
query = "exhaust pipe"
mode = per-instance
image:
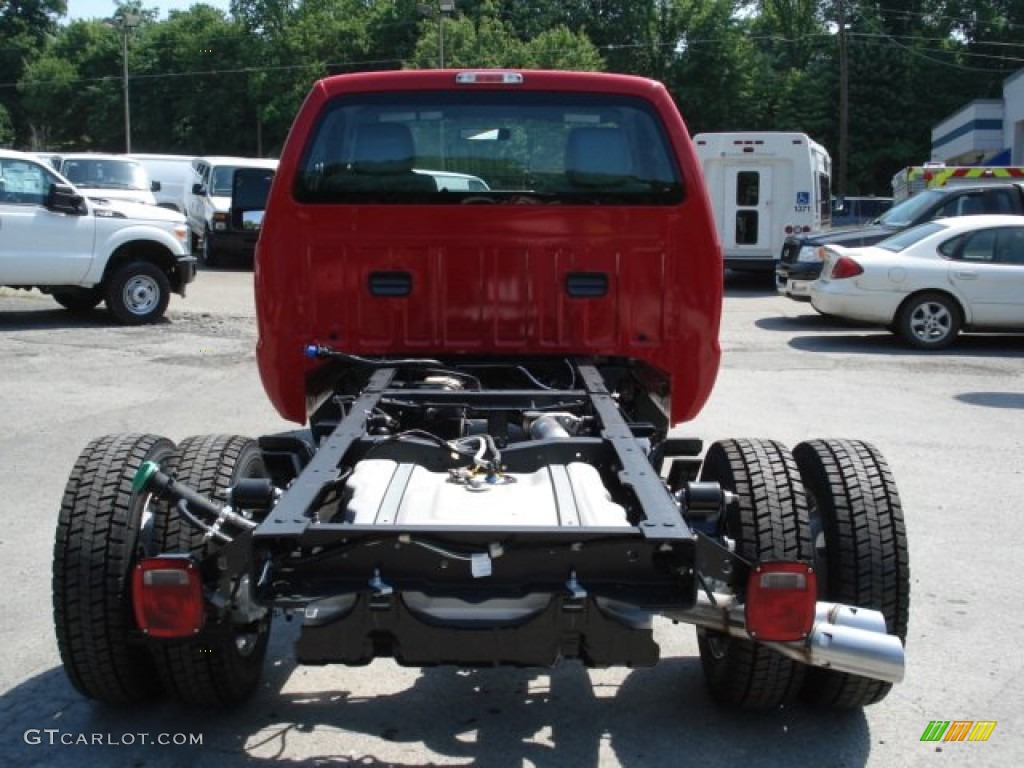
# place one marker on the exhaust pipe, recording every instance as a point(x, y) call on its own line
point(849, 649)
point(844, 638)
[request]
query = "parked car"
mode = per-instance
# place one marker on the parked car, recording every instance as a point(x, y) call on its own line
point(802, 255)
point(208, 203)
point(928, 283)
point(83, 251)
point(174, 174)
point(109, 177)
point(50, 158)
point(856, 211)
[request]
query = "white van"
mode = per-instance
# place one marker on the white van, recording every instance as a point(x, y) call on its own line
point(209, 203)
point(109, 177)
point(173, 173)
point(449, 181)
point(764, 186)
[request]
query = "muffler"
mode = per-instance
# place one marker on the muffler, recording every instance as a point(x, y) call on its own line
point(849, 649)
point(844, 638)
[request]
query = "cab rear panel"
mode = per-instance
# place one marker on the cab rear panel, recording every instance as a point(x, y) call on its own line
point(592, 239)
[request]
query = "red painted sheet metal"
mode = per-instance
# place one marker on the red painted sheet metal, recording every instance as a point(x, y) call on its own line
point(490, 279)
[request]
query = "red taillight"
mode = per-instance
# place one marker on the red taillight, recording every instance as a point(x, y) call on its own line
point(845, 267)
point(781, 599)
point(167, 595)
point(789, 229)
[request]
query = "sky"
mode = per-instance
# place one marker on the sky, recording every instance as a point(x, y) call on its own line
point(104, 9)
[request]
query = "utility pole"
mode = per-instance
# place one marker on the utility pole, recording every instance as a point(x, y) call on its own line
point(444, 7)
point(126, 24)
point(844, 102)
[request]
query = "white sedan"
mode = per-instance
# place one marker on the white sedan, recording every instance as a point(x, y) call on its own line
point(928, 283)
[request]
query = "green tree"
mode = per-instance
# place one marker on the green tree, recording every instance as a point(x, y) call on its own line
point(25, 26)
point(48, 89)
point(559, 48)
point(190, 91)
point(6, 128)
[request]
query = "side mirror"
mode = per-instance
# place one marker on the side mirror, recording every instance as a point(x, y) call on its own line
point(155, 186)
point(62, 198)
point(197, 189)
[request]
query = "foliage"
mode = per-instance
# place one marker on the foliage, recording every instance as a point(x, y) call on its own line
point(202, 81)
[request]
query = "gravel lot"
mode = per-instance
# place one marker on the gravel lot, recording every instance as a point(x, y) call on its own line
point(951, 425)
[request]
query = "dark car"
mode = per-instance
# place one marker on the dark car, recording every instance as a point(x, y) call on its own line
point(803, 255)
point(250, 188)
point(857, 211)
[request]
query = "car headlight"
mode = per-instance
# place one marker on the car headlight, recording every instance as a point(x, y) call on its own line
point(220, 221)
point(811, 253)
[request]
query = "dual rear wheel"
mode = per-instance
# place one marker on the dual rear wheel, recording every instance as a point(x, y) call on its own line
point(830, 503)
point(104, 528)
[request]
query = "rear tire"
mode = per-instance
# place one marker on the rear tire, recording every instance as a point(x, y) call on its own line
point(861, 551)
point(768, 522)
point(929, 321)
point(102, 530)
point(222, 666)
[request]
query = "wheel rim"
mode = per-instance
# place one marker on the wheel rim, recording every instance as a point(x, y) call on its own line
point(141, 294)
point(931, 321)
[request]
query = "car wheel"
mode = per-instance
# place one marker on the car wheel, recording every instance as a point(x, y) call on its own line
point(861, 553)
point(138, 293)
point(207, 252)
point(79, 301)
point(768, 522)
point(103, 527)
point(929, 321)
point(222, 665)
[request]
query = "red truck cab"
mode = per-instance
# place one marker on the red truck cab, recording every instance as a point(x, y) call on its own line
point(594, 235)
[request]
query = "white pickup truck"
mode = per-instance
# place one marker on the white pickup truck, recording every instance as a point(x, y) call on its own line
point(81, 251)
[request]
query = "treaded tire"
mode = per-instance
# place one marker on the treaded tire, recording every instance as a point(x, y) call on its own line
point(138, 293)
point(222, 666)
point(862, 552)
point(101, 530)
point(209, 255)
point(768, 522)
point(929, 321)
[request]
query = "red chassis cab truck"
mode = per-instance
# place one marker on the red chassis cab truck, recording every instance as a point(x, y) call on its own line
point(486, 297)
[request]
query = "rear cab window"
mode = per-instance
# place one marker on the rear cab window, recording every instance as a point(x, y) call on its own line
point(406, 147)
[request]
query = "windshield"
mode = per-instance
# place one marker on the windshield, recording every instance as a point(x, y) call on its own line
point(221, 179)
point(903, 214)
point(909, 237)
point(446, 147)
point(105, 174)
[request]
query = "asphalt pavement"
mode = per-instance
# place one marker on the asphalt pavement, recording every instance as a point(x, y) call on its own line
point(951, 425)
